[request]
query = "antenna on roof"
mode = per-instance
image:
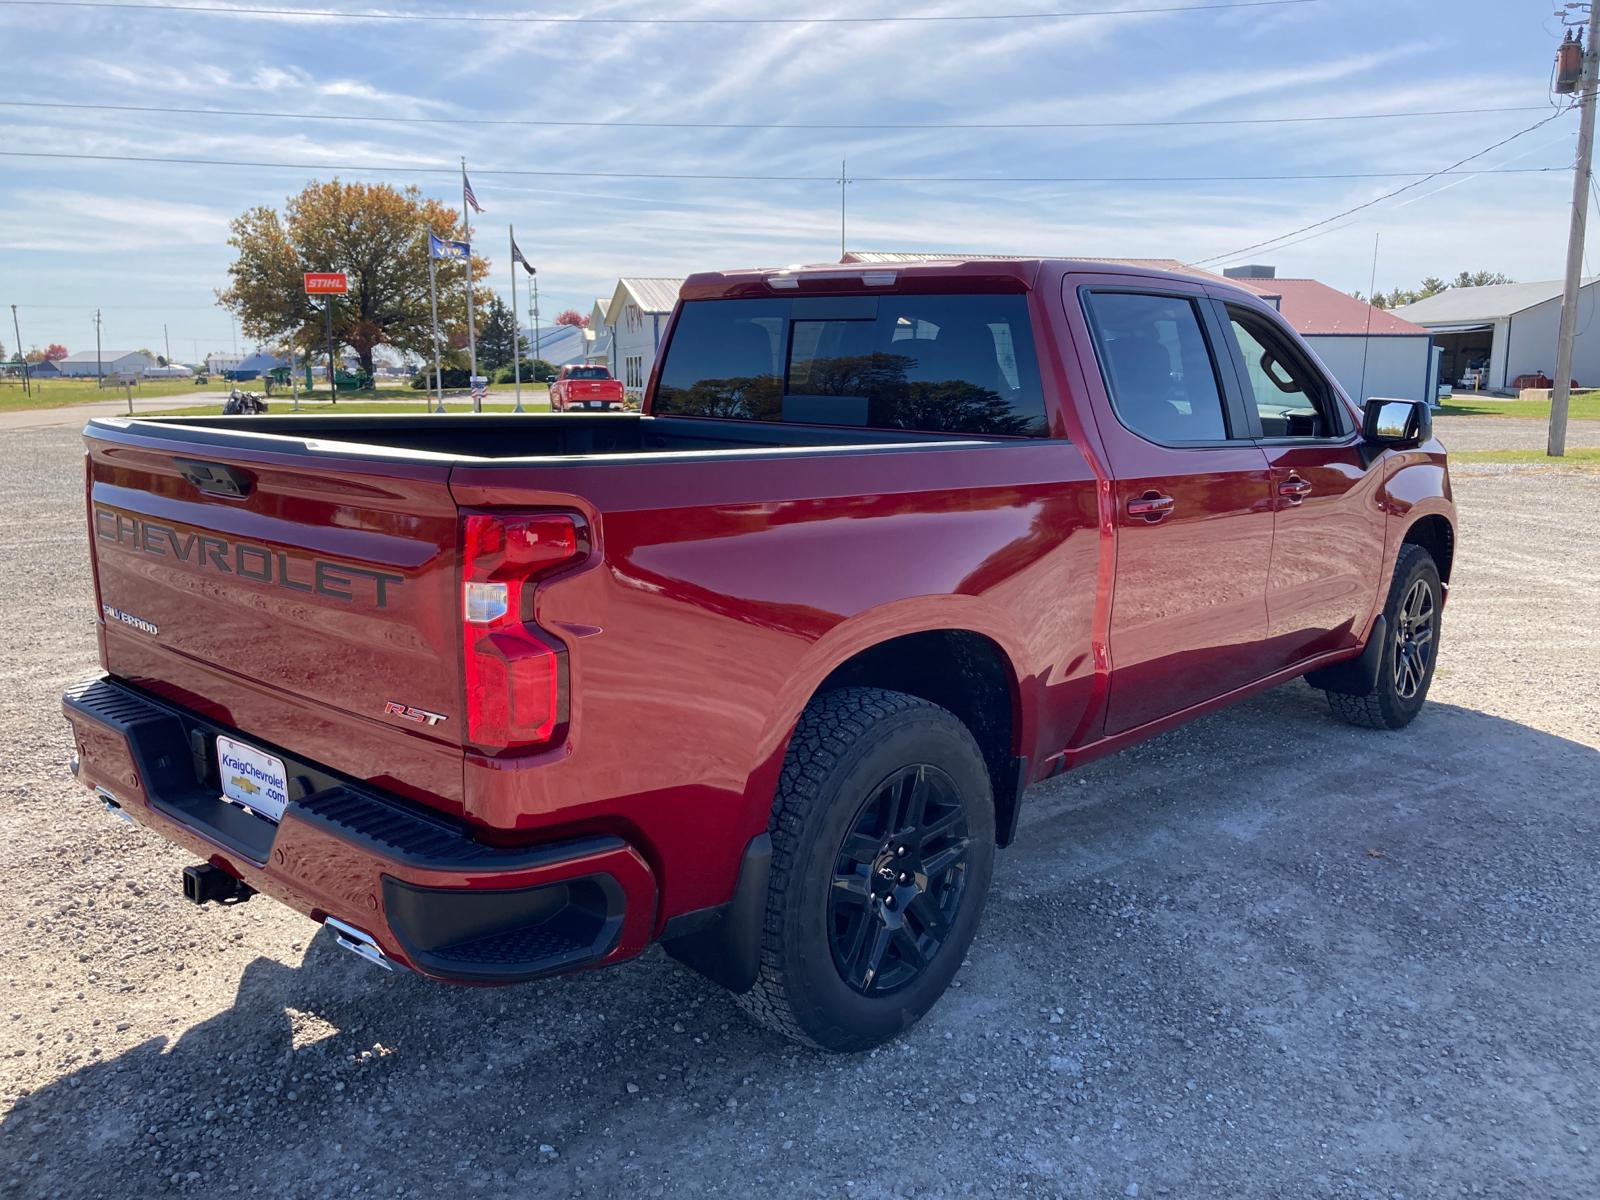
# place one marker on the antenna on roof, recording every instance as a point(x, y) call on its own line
point(1366, 341)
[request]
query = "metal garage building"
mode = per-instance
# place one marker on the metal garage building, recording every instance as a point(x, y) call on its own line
point(107, 363)
point(1511, 327)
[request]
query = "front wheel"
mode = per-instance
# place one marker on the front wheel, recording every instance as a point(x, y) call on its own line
point(1406, 662)
point(883, 849)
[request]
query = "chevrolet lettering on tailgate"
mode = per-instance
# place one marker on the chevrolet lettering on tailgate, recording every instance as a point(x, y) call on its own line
point(203, 551)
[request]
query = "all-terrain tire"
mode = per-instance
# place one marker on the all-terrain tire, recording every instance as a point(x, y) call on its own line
point(849, 749)
point(1406, 663)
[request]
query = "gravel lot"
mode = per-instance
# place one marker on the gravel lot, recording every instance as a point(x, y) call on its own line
point(1263, 956)
point(1510, 433)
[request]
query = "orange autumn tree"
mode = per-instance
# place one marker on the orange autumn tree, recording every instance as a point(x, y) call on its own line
point(378, 236)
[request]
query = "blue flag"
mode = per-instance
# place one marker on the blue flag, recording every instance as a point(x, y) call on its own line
point(440, 248)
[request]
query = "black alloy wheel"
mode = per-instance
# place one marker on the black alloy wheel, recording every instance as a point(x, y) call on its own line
point(1405, 668)
point(900, 879)
point(1413, 640)
point(882, 851)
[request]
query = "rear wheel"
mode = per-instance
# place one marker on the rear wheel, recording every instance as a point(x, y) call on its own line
point(883, 848)
point(1406, 663)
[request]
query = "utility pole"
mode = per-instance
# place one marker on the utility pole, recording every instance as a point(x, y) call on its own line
point(842, 184)
point(99, 367)
point(26, 391)
point(167, 338)
point(333, 381)
point(1560, 394)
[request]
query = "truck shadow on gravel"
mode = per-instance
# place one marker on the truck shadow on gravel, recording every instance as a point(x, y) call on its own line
point(1263, 955)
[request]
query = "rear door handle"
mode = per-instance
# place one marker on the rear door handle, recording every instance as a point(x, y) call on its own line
point(1152, 506)
point(1294, 489)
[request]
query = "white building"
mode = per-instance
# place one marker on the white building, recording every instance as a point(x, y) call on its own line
point(106, 363)
point(636, 317)
point(1511, 328)
point(598, 333)
point(219, 362)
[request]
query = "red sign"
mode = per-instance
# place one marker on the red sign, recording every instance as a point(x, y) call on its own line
point(326, 283)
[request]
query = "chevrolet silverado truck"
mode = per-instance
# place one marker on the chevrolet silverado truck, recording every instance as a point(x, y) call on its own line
point(585, 388)
point(762, 671)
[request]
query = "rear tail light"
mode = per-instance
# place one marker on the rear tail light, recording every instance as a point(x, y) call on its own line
point(516, 675)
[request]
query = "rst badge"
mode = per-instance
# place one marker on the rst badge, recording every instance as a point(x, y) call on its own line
point(407, 713)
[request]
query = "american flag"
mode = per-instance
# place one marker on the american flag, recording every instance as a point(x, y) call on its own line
point(466, 190)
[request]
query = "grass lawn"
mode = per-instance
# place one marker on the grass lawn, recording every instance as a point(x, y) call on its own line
point(59, 393)
point(56, 393)
point(1464, 404)
point(1584, 458)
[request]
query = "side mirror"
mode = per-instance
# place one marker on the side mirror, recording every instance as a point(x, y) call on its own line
point(1397, 422)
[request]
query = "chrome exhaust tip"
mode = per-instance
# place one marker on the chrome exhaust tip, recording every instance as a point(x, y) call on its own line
point(358, 943)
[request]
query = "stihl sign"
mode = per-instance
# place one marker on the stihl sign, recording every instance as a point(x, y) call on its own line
point(326, 283)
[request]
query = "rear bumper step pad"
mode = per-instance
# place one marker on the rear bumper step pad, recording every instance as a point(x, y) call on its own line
point(433, 897)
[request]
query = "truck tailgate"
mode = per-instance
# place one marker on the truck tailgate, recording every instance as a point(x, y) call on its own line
point(309, 602)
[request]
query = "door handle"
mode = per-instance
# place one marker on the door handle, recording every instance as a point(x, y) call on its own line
point(1152, 506)
point(1294, 489)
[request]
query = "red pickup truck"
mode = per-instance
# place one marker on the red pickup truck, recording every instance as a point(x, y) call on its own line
point(761, 672)
point(585, 388)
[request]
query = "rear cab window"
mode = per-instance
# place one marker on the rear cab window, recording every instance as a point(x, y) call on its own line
point(959, 363)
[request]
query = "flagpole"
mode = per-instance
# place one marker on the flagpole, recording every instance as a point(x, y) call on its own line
point(516, 321)
point(433, 299)
point(472, 336)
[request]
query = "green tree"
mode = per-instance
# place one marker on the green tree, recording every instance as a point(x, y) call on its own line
point(378, 236)
point(1480, 279)
point(496, 333)
point(1432, 286)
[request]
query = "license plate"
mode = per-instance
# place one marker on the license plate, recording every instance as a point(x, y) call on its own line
point(252, 778)
point(597, 404)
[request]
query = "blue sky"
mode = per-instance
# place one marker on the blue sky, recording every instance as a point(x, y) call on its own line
point(146, 242)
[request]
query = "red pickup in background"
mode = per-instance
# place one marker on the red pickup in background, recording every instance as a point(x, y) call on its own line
point(760, 672)
point(585, 388)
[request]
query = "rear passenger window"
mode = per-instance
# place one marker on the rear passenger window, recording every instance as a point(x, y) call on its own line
point(1158, 367)
point(1291, 397)
point(939, 364)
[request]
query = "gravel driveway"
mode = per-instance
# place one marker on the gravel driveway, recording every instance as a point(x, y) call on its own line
point(1265, 955)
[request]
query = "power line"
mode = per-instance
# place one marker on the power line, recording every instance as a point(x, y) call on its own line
point(535, 19)
point(441, 170)
point(498, 121)
point(1390, 195)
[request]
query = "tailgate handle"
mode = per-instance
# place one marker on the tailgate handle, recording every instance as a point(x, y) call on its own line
point(216, 479)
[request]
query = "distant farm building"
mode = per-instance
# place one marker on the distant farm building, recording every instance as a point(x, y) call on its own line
point(86, 364)
point(1509, 328)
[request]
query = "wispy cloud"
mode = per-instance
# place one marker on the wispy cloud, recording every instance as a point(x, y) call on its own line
point(147, 235)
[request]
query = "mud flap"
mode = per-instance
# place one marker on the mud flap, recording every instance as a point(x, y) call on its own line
point(1359, 675)
point(724, 943)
